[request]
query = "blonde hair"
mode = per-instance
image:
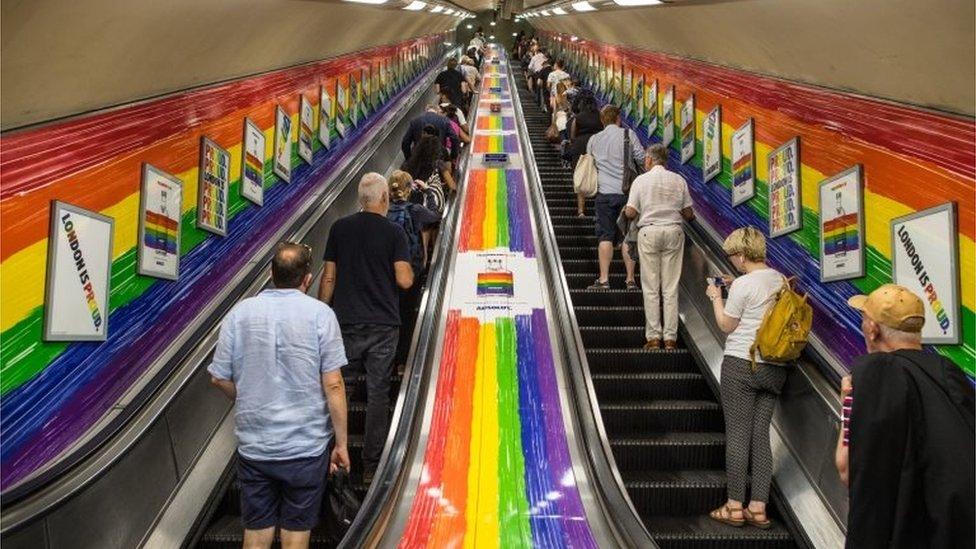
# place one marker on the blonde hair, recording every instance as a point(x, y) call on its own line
point(749, 242)
point(400, 183)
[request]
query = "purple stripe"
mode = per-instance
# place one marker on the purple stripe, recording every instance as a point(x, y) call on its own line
point(519, 222)
point(508, 123)
point(575, 526)
point(511, 144)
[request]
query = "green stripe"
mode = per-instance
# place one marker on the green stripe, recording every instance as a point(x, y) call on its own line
point(501, 205)
point(513, 506)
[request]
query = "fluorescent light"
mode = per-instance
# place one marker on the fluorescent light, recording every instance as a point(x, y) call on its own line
point(415, 5)
point(436, 9)
point(558, 11)
point(449, 12)
point(514, 34)
point(545, 13)
point(573, 38)
point(469, 27)
point(492, 23)
point(366, 1)
point(583, 6)
point(492, 37)
point(637, 2)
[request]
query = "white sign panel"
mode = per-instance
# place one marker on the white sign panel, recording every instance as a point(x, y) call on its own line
point(282, 144)
point(79, 269)
point(667, 117)
point(688, 129)
point(743, 164)
point(325, 117)
point(160, 216)
point(712, 144)
point(650, 107)
point(842, 226)
point(925, 260)
point(306, 132)
point(252, 163)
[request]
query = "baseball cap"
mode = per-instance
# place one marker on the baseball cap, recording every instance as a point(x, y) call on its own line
point(893, 306)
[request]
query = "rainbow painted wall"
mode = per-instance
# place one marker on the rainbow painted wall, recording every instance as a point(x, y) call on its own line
point(51, 393)
point(913, 159)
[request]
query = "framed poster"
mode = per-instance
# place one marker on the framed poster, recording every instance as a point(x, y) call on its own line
point(306, 121)
point(638, 95)
point(688, 129)
point(842, 226)
point(341, 118)
point(667, 117)
point(365, 92)
point(79, 273)
point(212, 187)
point(282, 144)
point(325, 117)
point(650, 107)
point(925, 259)
point(743, 164)
point(160, 214)
point(252, 163)
point(628, 90)
point(354, 100)
point(712, 144)
point(784, 189)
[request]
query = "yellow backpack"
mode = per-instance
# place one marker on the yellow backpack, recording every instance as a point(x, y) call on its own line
point(785, 327)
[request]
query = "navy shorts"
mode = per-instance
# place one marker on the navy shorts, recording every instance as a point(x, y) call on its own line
point(608, 208)
point(285, 493)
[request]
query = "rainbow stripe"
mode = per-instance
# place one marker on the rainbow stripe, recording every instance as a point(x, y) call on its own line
point(496, 122)
point(742, 170)
point(497, 470)
point(160, 232)
point(496, 283)
point(52, 392)
point(893, 143)
point(507, 143)
point(841, 234)
point(496, 212)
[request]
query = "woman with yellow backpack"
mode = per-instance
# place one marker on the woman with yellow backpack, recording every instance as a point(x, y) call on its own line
point(767, 326)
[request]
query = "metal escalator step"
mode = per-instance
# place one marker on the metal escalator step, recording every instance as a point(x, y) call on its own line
point(566, 199)
point(669, 451)
point(584, 280)
point(657, 416)
point(617, 296)
point(613, 336)
point(590, 264)
point(228, 533)
point(628, 315)
point(569, 240)
point(640, 360)
point(566, 219)
point(680, 492)
point(565, 211)
point(701, 532)
point(577, 229)
point(615, 387)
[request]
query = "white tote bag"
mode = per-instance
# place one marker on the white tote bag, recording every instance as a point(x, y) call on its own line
point(584, 176)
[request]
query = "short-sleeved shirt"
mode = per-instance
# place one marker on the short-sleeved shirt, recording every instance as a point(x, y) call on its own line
point(274, 347)
point(554, 78)
point(364, 246)
point(607, 148)
point(749, 297)
point(449, 81)
point(659, 196)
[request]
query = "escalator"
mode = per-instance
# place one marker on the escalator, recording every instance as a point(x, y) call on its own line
point(659, 409)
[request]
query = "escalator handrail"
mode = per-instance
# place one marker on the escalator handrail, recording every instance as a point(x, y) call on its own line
point(39, 495)
point(608, 483)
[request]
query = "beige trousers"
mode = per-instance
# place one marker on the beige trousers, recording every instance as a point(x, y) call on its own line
point(661, 249)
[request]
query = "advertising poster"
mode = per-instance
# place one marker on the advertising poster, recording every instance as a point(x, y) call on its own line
point(79, 270)
point(342, 108)
point(842, 226)
point(282, 144)
point(688, 129)
point(355, 95)
point(306, 132)
point(712, 144)
point(160, 213)
point(212, 187)
point(743, 164)
point(627, 95)
point(667, 117)
point(365, 92)
point(784, 189)
point(638, 93)
point(650, 106)
point(252, 163)
point(925, 260)
point(326, 114)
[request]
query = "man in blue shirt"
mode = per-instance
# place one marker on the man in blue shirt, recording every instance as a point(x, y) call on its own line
point(278, 358)
point(431, 117)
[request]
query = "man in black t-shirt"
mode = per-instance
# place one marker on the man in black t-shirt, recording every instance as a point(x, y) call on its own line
point(910, 459)
point(450, 81)
point(367, 259)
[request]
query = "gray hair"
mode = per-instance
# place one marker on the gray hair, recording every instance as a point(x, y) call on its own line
point(658, 154)
point(372, 188)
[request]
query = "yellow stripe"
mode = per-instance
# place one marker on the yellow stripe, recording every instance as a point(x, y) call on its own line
point(474, 464)
point(489, 230)
point(487, 533)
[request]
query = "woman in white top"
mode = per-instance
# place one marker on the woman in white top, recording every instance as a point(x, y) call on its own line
point(748, 395)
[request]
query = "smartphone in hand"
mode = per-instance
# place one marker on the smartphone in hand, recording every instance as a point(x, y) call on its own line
point(716, 281)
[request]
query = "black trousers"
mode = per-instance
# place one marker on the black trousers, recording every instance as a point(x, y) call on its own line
point(370, 349)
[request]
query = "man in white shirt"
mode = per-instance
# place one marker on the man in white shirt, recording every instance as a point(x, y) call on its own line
point(659, 200)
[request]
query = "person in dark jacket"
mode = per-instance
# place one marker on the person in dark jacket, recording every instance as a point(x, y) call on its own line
point(910, 457)
point(432, 117)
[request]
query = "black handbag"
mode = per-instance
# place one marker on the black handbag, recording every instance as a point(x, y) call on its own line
point(343, 501)
point(630, 169)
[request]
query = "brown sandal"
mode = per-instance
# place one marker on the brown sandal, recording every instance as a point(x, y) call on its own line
point(724, 515)
point(750, 517)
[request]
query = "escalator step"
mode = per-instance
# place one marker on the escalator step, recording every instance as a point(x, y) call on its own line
point(590, 264)
point(613, 336)
point(701, 532)
point(680, 492)
point(580, 281)
point(669, 451)
point(639, 360)
point(616, 387)
point(567, 219)
point(578, 229)
point(227, 533)
point(646, 417)
point(565, 211)
point(617, 296)
point(603, 316)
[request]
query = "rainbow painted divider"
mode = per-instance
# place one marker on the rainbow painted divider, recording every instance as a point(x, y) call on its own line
point(497, 469)
point(496, 143)
point(496, 122)
point(496, 213)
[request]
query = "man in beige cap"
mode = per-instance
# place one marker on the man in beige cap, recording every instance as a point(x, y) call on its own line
point(909, 455)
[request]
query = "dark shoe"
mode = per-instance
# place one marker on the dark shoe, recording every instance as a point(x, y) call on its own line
point(632, 286)
point(653, 344)
point(599, 285)
point(670, 344)
point(368, 477)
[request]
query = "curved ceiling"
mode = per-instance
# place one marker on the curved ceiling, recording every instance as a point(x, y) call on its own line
point(922, 53)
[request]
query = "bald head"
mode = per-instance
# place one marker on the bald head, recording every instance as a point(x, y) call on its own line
point(291, 266)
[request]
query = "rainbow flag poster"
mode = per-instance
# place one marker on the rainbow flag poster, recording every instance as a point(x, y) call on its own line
point(496, 283)
point(159, 245)
point(507, 143)
point(496, 122)
point(841, 231)
point(841, 235)
point(160, 232)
